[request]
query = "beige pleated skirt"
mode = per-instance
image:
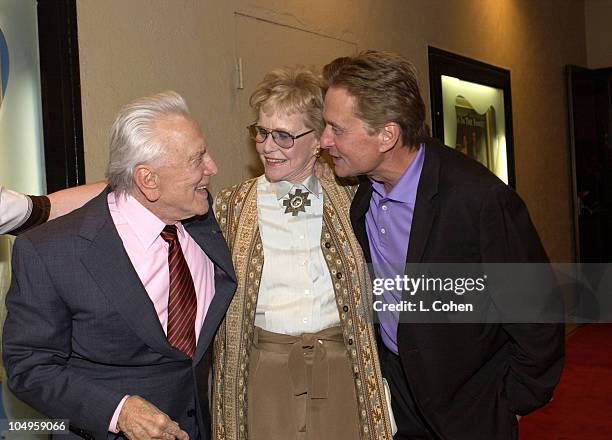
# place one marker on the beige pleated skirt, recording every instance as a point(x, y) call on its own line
point(301, 387)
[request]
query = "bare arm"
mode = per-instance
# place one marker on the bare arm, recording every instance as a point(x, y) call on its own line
point(67, 200)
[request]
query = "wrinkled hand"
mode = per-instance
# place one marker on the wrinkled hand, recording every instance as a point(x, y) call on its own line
point(140, 420)
point(322, 170)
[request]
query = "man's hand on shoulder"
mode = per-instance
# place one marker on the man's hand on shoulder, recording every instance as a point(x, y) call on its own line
point(140, 420)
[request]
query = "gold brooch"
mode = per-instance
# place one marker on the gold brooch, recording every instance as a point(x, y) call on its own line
point(297, 202)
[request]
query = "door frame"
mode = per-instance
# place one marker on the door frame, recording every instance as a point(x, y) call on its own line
point(60, 94)
point(570, 72)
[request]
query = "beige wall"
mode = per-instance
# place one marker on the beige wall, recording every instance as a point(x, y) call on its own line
point(129, 49)
point(598, 20)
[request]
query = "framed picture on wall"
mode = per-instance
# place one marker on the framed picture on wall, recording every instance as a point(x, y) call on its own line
point(471, 110)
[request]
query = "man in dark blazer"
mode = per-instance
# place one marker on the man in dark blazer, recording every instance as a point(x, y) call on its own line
point(87, 334)
point(420, 203)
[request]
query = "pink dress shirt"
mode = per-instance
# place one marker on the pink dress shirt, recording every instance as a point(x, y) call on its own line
point(139, 230)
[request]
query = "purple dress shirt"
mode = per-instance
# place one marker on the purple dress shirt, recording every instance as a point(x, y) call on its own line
point(388, 224)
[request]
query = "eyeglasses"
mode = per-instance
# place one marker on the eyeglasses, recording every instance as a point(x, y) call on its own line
point(281, 138)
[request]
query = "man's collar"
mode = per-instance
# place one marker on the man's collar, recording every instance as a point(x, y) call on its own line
point(406, 187)
point(146, 225)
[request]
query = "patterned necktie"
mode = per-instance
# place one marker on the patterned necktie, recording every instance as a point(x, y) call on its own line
point(181, 296)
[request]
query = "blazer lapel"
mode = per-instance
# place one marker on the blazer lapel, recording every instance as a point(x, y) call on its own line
point(359, 208)
point(110, 267)
point(426, 206)
point(206, 232)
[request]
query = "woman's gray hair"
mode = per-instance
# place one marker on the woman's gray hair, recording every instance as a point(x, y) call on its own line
point(133, 140)
point(295, 89)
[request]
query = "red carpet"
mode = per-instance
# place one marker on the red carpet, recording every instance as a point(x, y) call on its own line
point(582, 404)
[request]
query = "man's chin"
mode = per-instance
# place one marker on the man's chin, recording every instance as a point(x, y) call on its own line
point(202, 210)
point(341, 171)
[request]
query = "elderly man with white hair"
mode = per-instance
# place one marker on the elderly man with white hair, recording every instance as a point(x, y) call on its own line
point(112, 308)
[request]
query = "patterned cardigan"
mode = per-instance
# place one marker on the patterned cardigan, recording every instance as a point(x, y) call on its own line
point(236, 211)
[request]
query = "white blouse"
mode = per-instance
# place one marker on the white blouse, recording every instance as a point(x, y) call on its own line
point(296, 294)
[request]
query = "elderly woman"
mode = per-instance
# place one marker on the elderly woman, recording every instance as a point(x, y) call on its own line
point(296, 355)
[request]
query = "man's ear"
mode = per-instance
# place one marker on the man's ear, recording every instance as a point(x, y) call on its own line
point(147, 181)
point(389, 134)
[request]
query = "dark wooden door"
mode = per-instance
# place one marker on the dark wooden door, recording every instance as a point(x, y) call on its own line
point(60, 93)
point(590, 95)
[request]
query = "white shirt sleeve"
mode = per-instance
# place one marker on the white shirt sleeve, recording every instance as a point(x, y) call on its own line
point(15, 209)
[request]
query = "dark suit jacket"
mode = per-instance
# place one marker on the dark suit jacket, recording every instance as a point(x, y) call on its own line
point(81, 331)
point(469, 380)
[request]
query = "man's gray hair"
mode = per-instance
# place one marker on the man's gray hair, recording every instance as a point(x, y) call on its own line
point(133, 140)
